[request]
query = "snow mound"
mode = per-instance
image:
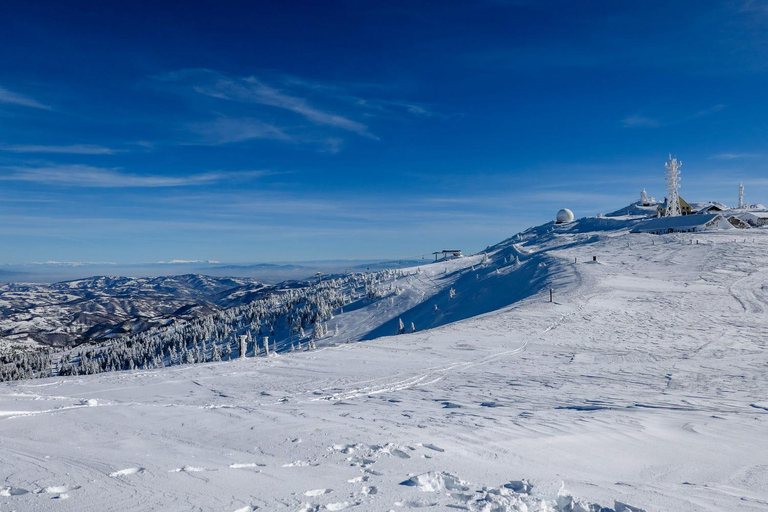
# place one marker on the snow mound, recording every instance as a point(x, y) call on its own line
point(514, 496)
point(504, 499)
point(436, 481)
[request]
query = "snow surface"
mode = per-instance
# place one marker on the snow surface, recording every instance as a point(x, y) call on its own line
point(643, 386)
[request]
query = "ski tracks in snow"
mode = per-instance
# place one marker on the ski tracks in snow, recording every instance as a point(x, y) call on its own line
point(431, 376)
point(751, 292)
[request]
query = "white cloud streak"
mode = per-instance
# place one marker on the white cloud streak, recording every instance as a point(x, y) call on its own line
point(98, 177)
point(226, 130)
point(74, 149)
point(14, 98)
point(253, 90)
point(640, 122)
point(735, 156)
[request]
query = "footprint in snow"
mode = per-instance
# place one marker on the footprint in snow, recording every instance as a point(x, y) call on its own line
point(126, 471)
point(58, 492)
point(433, 447)
point(317, 492)
point(189, 469)
point(520, 486)
point(245, 465)
point(7, 492)
point(59, 489)
point(340, 505)
point(414, 504)
point(300, 463)
point(400, 454)
point(360, 461)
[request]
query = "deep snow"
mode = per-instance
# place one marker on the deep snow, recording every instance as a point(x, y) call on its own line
point(644, 383)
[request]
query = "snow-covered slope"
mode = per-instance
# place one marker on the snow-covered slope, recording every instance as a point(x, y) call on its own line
point(642, 386)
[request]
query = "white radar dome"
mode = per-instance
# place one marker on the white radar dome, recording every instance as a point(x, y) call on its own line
point(564, 215)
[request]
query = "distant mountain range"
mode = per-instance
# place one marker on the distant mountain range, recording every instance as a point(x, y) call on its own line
point(272, 273)
point(76, 311)
point(73, 312)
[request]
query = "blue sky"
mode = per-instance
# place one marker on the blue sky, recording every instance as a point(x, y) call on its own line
point(277, 131)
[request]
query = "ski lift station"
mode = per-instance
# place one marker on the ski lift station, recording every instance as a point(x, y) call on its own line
point(448, 254)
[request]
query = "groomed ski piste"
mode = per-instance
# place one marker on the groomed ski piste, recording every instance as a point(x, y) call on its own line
point(642, 386)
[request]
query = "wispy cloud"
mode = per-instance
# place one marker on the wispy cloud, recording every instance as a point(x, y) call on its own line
point(640, 122)
point(225, 130)
point(707, 111)
point(735, 156)
point(253, 90)
point(755, 6)
point(74, 149)
point(256, 91)
point(98, 177)
point(14, 98)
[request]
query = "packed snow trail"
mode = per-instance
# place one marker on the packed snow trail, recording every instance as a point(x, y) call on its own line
point(643, 386)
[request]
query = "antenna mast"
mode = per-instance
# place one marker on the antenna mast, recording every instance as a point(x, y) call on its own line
point(741, 195)
point(673, 183)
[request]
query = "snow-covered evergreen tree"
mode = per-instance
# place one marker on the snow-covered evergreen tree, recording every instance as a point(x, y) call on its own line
point(243, 346)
